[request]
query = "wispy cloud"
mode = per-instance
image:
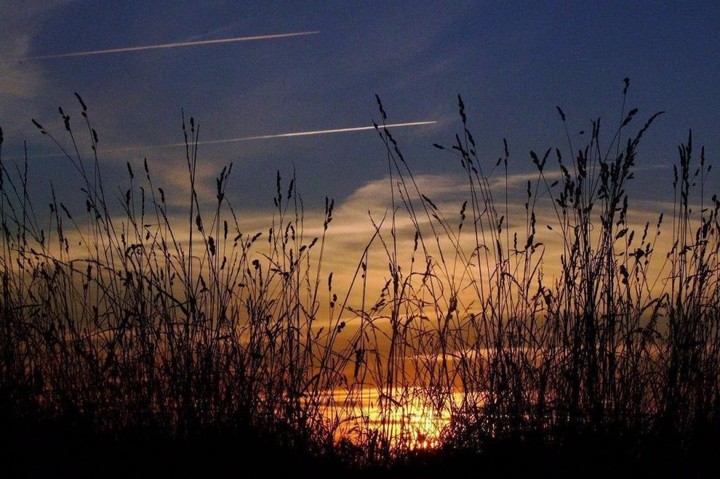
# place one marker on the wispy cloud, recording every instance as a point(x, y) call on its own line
point(170, 45)
point(21, 83)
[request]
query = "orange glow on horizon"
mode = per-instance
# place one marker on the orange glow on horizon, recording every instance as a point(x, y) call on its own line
point(411, 423)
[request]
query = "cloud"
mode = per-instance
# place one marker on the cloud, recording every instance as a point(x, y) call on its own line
point(21, 82)
point(17, 81)
point(171, 45)
point(352, 228)
point(18, 25)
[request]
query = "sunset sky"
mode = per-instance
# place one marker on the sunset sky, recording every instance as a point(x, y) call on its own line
point(290, 87)
point(248, 71)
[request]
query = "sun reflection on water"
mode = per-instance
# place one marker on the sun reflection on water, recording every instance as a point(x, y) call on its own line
point(406, 419)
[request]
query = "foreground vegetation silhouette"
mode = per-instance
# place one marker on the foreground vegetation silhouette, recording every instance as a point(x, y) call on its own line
point(178, 342)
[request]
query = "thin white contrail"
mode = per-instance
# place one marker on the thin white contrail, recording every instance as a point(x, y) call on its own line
point(313, 132)
point(277, 135)
point(251, 138)
point(172, 45)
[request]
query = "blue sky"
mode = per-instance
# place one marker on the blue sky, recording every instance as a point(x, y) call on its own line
point(512, 62)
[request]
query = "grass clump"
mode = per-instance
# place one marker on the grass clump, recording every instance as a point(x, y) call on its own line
point(553, 324)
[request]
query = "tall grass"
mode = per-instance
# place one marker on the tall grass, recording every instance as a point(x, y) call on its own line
point(124, 317)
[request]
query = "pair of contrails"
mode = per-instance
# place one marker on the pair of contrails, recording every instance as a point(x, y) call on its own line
point(221, 41)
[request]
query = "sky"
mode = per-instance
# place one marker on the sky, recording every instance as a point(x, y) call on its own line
point(248, 71)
